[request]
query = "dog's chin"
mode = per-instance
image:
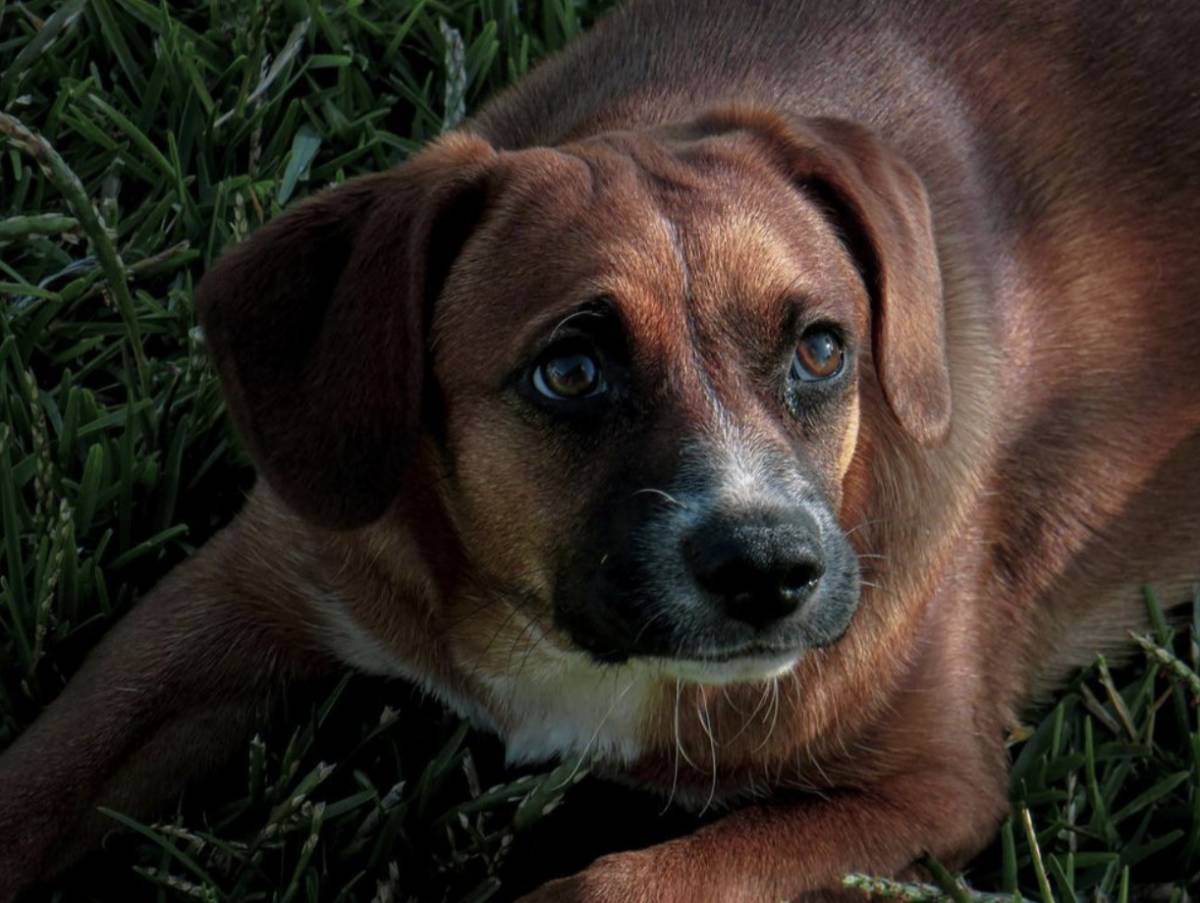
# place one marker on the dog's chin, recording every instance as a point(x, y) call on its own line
point(748, 666)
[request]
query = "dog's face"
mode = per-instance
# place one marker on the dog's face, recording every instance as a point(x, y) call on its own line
point(622, 378)
point(649, 352)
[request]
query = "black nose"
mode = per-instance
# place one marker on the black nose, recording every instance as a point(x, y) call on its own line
point(759, 570)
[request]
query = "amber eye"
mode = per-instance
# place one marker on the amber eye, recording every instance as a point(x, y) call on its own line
point(573, 374)
point(820, 355)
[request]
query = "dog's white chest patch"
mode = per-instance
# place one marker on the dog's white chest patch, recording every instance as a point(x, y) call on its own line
point(564, 705)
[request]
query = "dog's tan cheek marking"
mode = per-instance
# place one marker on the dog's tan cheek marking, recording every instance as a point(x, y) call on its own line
point(505, 507)
point(849, 438)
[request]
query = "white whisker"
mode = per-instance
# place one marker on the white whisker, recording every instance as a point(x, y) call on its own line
point(706, 724)
point(595, 735)
point(678, 750)
point(666, 495)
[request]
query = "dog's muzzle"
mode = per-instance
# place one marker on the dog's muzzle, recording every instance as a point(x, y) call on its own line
point(712, 591)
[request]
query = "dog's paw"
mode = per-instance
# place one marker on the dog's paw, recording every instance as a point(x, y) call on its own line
point(620, 878)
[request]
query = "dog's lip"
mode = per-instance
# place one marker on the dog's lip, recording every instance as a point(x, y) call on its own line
point(751, 662)
point(740, 653)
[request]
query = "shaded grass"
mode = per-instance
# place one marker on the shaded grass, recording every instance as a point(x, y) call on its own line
point(160, 134)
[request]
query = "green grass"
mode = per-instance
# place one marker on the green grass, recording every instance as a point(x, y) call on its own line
point(163, 132)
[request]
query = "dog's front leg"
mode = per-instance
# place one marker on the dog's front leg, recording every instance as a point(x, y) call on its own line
point(171, 690)
point(801, 850)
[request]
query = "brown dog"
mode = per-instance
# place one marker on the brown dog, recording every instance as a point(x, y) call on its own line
point(838, 358)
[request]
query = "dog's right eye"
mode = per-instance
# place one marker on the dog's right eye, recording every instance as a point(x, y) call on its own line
point(819, 356)
point(568, 374)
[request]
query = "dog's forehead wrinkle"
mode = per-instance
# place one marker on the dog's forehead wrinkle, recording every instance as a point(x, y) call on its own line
point(652, 283)
point(675, 241)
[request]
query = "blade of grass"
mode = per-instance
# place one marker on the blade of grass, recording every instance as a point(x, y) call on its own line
point(65, 180)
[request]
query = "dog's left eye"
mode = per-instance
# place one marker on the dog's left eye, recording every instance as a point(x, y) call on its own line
point(568, 374)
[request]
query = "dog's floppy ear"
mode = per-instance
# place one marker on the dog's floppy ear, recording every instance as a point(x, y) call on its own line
point(881, 206)
point(318, 323)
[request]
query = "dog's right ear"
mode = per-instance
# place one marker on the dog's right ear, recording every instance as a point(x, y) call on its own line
point(318, 325)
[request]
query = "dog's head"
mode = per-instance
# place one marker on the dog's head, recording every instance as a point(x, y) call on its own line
point(630, 370)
